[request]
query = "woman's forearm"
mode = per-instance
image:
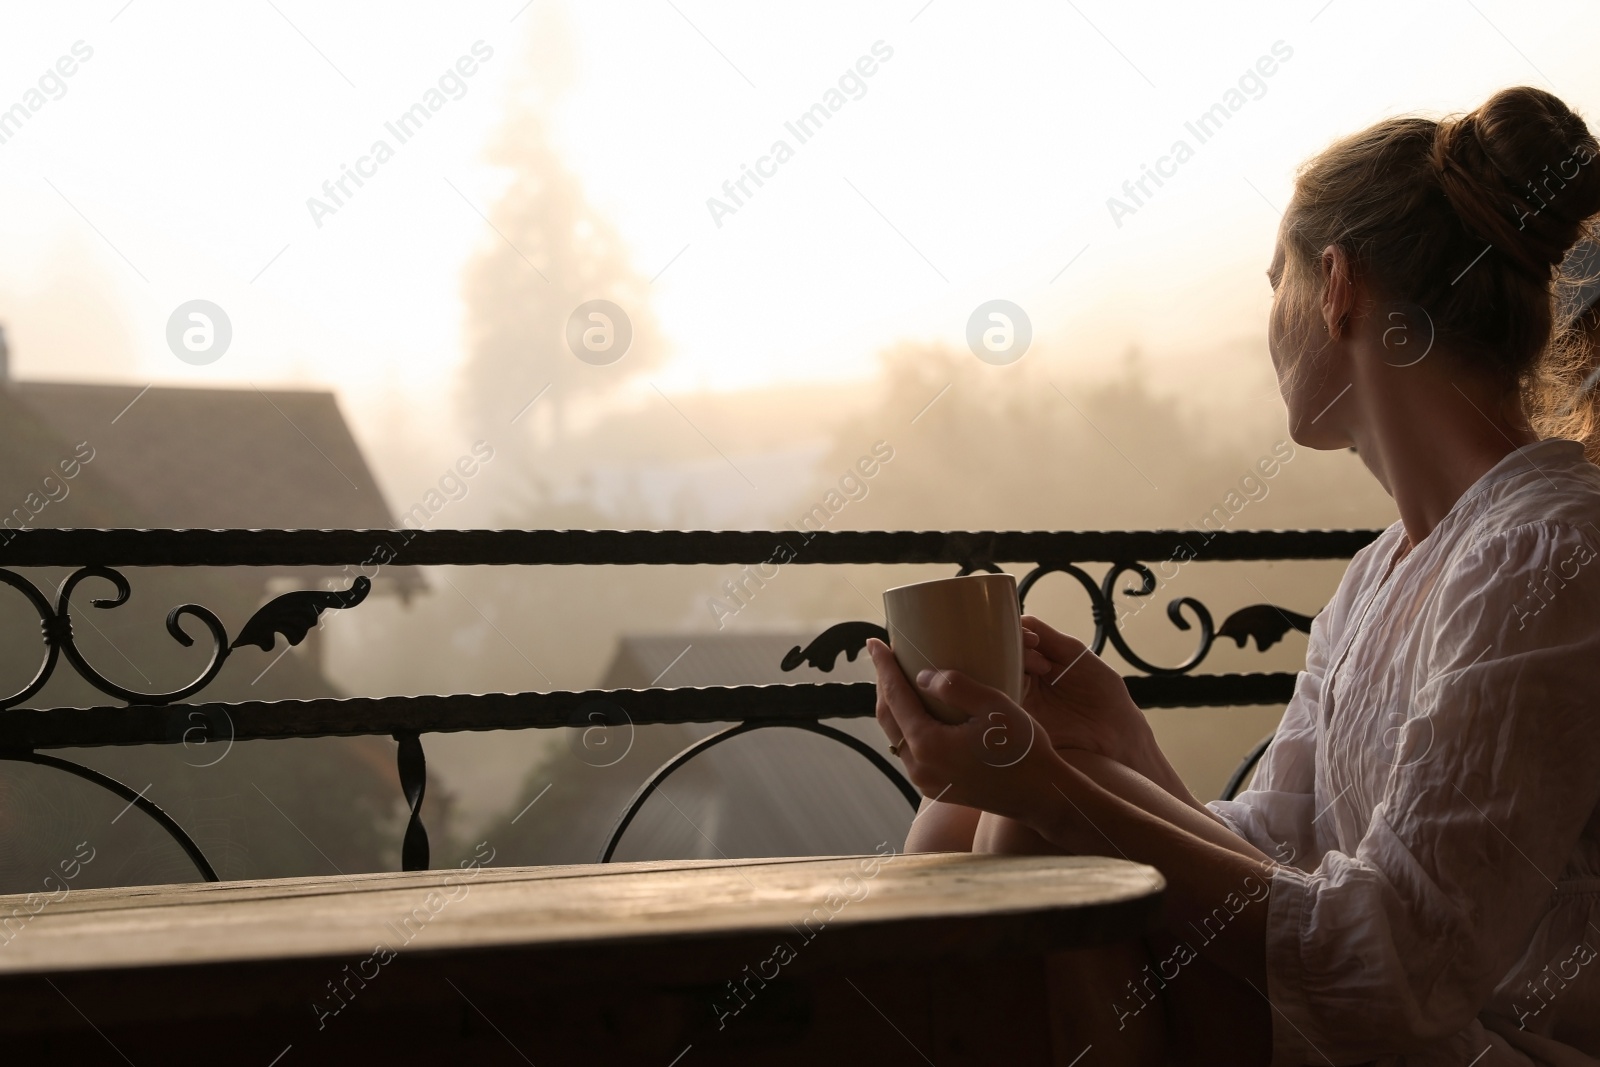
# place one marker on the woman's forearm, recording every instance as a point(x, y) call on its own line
point(1149, 760)
point(1216, 894)
point(1139, 790)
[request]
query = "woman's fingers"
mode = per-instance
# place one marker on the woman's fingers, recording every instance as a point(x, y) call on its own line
point(904, 703)
point(1035, 663)
point(895, 695)
point(886, 720)
point(881, 712)
point(969, 761)
point(962, 692)
point(998, 733)
point(1053, 644)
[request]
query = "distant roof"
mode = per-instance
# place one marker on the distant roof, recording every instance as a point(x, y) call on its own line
point(776, 792)
point(181, 458)
point(217, 458)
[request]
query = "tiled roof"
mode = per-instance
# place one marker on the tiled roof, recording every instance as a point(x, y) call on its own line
point(183, 458)
point(208, 458)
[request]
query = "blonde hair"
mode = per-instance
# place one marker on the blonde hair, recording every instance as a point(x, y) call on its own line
point(1469, 219)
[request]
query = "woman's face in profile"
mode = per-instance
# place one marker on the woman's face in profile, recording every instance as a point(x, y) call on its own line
point(1284, 340)
point(1275, 323)
point(1295, 340)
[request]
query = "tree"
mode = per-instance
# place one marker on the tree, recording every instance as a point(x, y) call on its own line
point(549, 252)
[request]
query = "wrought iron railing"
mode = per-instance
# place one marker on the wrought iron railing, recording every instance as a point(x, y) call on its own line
point(169, 718)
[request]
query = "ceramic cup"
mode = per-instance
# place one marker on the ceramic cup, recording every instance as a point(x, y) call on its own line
point(971, 624)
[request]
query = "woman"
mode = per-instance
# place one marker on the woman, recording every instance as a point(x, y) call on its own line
point(1414, 876)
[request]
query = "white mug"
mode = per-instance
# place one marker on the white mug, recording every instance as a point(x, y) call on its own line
point(971, 624)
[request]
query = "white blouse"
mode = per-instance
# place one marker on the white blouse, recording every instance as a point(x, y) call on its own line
point(1433, 790)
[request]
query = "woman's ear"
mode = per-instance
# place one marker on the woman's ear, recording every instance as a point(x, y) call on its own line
point(1338, 290)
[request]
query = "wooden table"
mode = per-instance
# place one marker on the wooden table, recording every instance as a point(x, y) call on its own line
point(886, 959)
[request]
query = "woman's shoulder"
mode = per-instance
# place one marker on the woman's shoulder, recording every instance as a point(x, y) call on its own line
point(1511, 560)
point(1539, 508)
point(1553, 497)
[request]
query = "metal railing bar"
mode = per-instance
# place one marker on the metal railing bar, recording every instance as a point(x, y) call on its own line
point(134, 799)
point(648, 788)
point(28, 728)
point(406, 547)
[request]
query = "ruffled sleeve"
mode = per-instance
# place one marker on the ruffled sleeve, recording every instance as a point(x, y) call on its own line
point(1402, 942)
point(1275, 814)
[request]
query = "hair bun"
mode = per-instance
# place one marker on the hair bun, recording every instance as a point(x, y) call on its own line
point(1519, 172)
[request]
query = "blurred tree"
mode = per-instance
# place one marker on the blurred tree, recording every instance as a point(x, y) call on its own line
point(1017, 447)
point(549, 252)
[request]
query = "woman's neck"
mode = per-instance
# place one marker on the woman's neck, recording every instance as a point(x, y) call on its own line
point(1427, 446)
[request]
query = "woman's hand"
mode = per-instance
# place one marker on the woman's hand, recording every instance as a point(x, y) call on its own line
point(999, 760)
point(1079, 699)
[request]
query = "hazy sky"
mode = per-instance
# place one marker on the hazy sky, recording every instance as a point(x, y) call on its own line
point(974, 163)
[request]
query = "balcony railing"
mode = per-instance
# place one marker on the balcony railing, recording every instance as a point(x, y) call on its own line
point(27, 734)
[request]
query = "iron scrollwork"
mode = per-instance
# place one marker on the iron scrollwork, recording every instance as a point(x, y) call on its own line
point(47, 623)
point(823, 651)
point(1102, 600)
point(1266, 623)
point(292, 615)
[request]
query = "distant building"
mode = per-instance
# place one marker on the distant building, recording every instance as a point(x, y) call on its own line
point(89, 455)
point(776, 792)
point(183, 458)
